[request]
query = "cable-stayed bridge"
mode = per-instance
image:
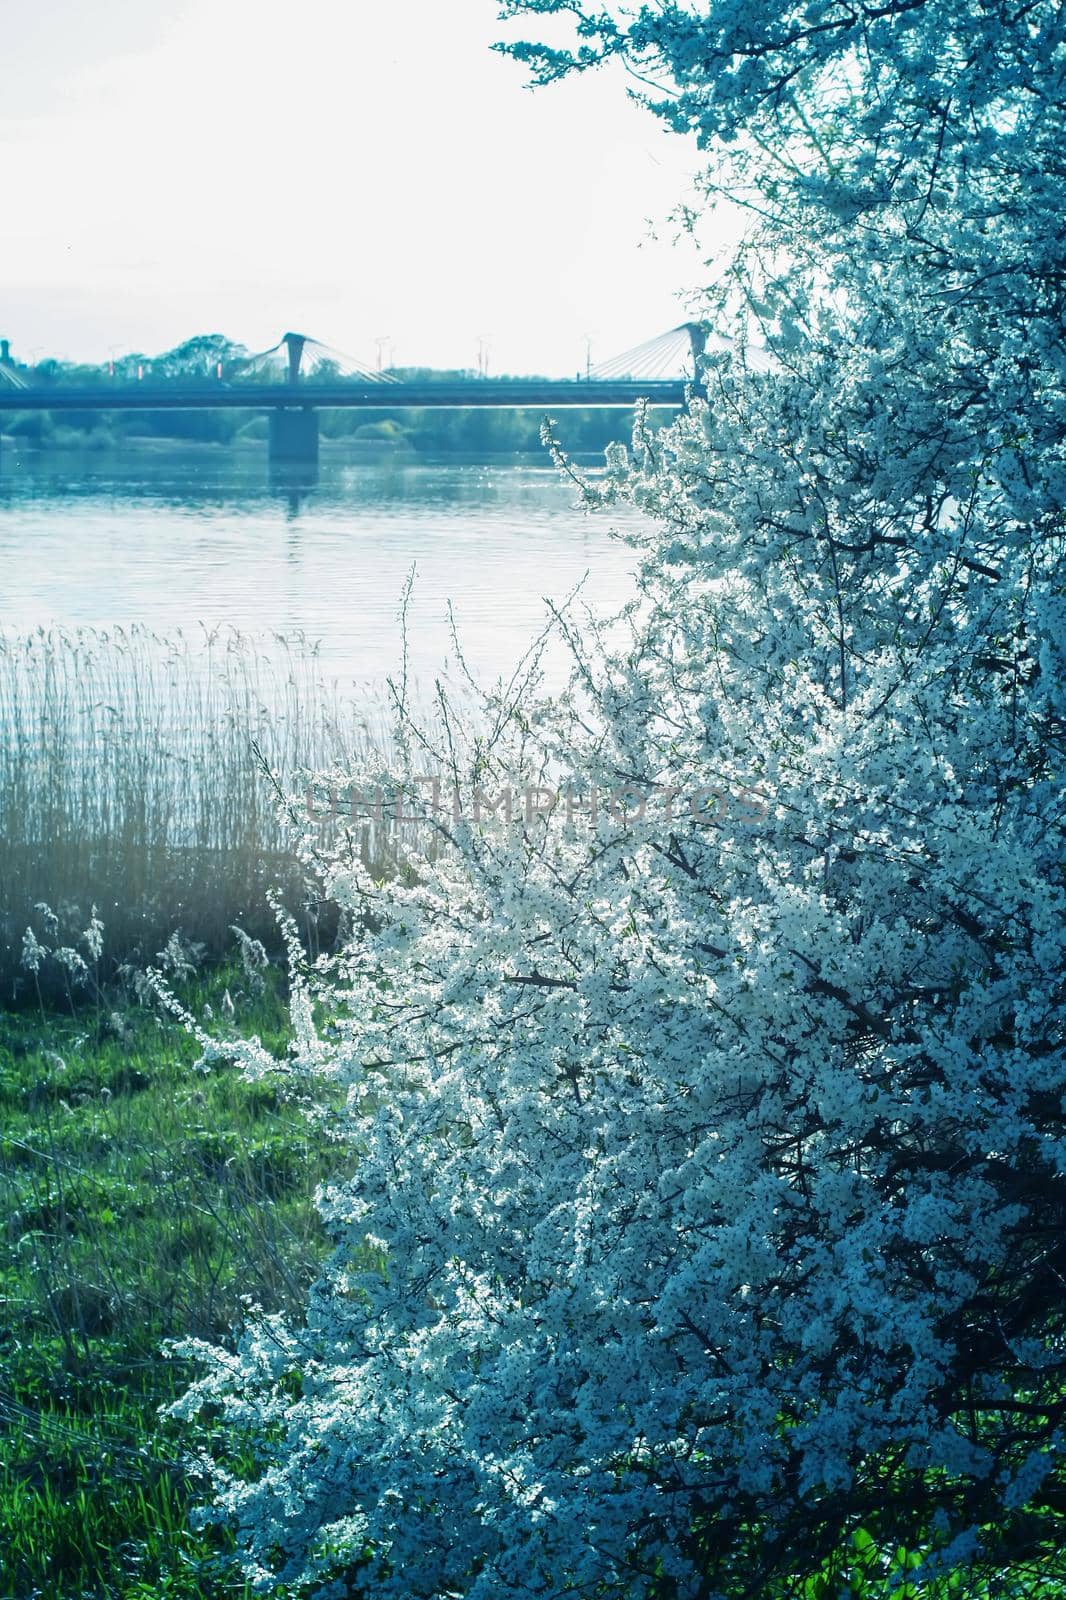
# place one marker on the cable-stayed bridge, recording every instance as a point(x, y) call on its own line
point(299, 376)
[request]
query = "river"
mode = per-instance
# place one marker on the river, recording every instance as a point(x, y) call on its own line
point(174, 536)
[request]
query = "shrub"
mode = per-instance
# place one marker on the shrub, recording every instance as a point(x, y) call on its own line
point(709, 1225)
point(387, 431)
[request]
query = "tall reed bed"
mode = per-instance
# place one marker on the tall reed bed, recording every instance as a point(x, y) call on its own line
point(130, 781)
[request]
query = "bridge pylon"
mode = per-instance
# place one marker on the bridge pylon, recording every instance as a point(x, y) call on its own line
point(293, 435)
point(294, 344)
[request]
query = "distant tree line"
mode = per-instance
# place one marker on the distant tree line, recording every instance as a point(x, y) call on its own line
point(473, 431)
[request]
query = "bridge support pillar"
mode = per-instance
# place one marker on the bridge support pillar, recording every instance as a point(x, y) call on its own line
point(293, 435)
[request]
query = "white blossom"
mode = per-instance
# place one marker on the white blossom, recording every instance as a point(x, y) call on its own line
point(707, 1191)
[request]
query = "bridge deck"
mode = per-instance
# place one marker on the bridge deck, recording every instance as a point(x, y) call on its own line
point(370, 396)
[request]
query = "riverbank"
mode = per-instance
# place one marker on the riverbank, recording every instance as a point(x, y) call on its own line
point(142, 1200)
point(473, 432)
point(248, 445)
point(136, 801)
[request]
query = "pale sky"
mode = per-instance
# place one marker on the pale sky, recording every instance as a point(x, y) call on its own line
point(349, 169)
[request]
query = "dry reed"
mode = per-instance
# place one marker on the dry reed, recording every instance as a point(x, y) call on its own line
point(129, 780)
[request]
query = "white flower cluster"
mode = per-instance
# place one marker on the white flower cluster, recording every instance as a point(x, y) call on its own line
point(52, 953)
point(709, 1202)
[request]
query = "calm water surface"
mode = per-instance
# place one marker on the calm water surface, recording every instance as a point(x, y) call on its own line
point(173, 537)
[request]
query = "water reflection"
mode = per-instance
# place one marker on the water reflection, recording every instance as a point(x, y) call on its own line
point(171, 536)
point(293, 481)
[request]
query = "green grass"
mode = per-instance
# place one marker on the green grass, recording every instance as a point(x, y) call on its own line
point(139, 1200)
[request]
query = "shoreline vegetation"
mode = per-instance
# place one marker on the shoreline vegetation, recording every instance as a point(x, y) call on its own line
point(142, 1200)
point(135, 788)
point(478, 431)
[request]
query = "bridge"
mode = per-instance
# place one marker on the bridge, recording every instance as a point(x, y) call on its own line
point(300, 381)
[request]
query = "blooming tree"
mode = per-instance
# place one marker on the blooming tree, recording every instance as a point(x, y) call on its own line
point(706, 1233)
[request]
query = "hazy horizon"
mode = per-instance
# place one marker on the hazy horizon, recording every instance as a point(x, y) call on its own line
point(357, 174)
